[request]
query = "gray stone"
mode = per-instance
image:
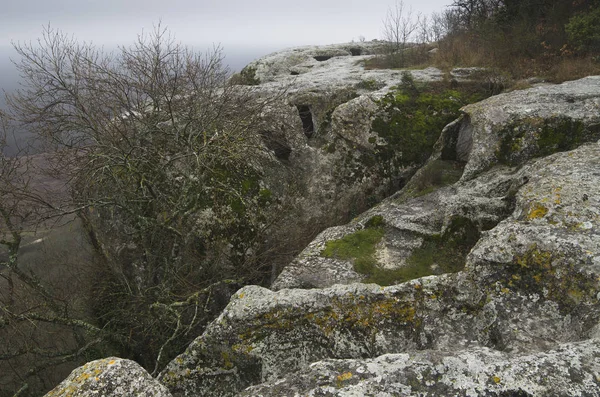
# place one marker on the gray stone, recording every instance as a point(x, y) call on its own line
point(529, 288)
point(508, 130)
point(569, 370)
point(109, 377)
point(514, 127)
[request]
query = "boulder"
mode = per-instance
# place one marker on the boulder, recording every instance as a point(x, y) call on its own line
point(529, 290)
point(484, 150)
point(109, 377)
point(569, 370)
point(514, 127)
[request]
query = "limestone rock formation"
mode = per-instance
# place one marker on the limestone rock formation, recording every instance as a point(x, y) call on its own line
point(512, 128)
point(329, 66)
point(109, 377)
point(491, 253)
point(529, 291)
point(319, 131)
point(514, 262)
point(570, 370)
point(504, 131)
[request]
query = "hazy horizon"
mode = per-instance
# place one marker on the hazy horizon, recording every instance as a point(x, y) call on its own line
point(236, 59)
point(245, 30)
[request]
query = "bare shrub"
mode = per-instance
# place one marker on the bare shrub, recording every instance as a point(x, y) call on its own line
point(163, 156)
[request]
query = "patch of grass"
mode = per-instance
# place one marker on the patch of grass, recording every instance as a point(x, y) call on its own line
point(375, 221)
point(554, 66)
point(438, 254)
point(359, 246)
point(445, 253)
point(410, 57)
point(387, 277)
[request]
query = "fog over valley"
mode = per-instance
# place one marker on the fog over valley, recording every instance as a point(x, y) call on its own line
point(236, 57)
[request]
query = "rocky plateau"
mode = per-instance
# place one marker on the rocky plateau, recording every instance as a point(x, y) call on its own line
point(479, 275)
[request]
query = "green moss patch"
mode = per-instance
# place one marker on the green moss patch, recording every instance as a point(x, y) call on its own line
point(412, 118)
point(535, 137)
point(445, 253)
point(438, 254)
point(359, 315)
point(359, 246)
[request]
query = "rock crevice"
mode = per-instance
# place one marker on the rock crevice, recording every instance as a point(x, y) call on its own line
point(481, 277)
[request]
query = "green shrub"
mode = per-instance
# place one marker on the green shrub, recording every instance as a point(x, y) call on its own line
point(246, 77)
point(583, 31)
point(412, 119)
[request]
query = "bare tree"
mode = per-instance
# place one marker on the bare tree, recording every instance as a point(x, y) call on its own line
point(472, 12)
point(399, 28)
point(42, 326)
point(439, 26)
point(424, 31)
point(163, 157)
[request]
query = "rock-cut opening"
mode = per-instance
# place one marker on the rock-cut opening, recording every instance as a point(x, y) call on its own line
point(322, 58)
point(307, 120)
point(355, 51)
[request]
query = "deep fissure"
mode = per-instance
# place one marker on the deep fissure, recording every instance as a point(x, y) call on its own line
point(308, 125)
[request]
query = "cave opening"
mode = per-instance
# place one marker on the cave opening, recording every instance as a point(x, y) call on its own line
point(307, 120)
point(355, 51)
point(322, 58)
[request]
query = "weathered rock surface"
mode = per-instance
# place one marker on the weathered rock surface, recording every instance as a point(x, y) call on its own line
point(514, 127)
point(337, 65)
point(319, 131)
point(530, 285)
point(109, 377)
point(506, 130)
point(525, 303)
point(408, 224)
point(569, 370)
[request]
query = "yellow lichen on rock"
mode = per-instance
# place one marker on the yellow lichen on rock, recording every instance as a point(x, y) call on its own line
point(537, 211)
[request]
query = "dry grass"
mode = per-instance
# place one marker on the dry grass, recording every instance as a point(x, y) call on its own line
point(460, 53)
point(414, 57)
point(464, 51)
point(569, 68)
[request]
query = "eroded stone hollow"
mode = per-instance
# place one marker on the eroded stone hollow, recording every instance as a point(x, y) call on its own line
point(355, 51)
point(307, 120)
point(322, 58)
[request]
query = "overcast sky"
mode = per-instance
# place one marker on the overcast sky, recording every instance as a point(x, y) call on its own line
point(245, 28)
